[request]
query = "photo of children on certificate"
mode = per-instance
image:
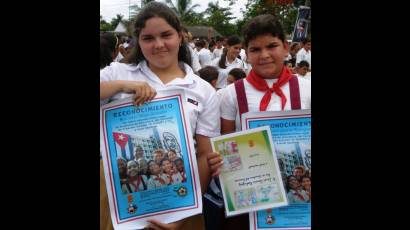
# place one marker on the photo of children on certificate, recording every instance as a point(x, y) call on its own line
point(149, 161)
point(291, 133)
point(250, 177)
point(150, 169)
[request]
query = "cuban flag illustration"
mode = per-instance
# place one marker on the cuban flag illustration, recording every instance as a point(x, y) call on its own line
point(124, 145)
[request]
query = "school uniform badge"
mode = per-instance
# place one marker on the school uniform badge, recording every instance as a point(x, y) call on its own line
point(192, 101)
point(269, 218)
point(181, 191)
point(132, 208)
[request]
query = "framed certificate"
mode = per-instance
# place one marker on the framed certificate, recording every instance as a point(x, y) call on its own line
point(291, 133)
point(250, 177)
point(149, 161)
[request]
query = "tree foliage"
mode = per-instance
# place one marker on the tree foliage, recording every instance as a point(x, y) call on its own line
point(286, 13)
point(219, 18)
point(134, 9)
point(104, 26)
point(184, 9)
point(115, 21)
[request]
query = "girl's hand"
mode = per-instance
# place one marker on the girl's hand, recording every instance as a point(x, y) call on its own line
point(215, 162)
point(143, 92)
point(156, 225)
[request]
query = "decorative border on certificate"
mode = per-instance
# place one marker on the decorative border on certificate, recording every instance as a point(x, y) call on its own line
point(291, 132)
point(250, 177)
point(149, 161)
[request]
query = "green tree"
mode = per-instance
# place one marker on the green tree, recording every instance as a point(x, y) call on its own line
point(104, 26)
point(184, 9)
point(219, 18)
point(134, 9)
point(115, 21)
point(286, 13)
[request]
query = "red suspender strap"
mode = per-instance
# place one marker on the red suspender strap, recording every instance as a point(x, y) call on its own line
point(294, 93)
point(241, 97)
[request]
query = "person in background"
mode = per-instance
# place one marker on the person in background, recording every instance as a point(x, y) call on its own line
point(235, 74)
point(204, 54)
point(304, 54)
point(108, 49)
point(302, 70)
point(209, 74)
point(228, 60)
point(193, 54)
point(212, 45)
point(217, 52)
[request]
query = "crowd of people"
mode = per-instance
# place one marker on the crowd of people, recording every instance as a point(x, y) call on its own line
point(258, 71)
point(298, 186)
point(143, 173)
point(222, 53)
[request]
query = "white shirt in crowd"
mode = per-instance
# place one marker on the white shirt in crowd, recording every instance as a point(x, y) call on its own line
point(194, 59)
point(229, 103)
point(304, 55)
point(219, 93)
point(223, 73)
point(204, 116)
point(204, 56)
point(288, 57)
point(125, 45)
point(243, 55)
point(307, 76)
point(119, 57)
point(217, 53)
point(247, 66)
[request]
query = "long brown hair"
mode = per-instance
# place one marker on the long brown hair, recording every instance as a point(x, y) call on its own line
point(232, 40)
point(151, 10)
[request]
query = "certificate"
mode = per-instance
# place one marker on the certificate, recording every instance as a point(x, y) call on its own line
point(149, 161)
point(291, 132)
point(250, 177)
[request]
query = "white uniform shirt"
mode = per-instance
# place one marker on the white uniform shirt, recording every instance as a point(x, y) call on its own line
point(204, 117)
point(155, 182)
point(243, 55)
point(204, 56)
point(194, 59)
point(307, 76)
point(303, 55)
point(217, 53)
point(223, 73)
point(119, 57)
point(229, 103)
